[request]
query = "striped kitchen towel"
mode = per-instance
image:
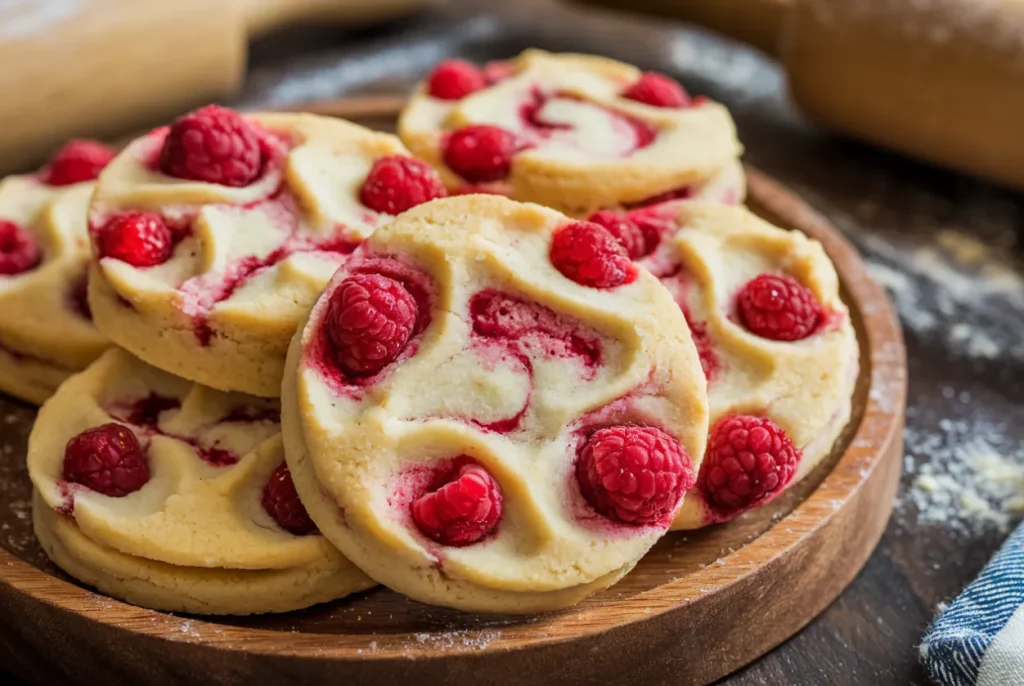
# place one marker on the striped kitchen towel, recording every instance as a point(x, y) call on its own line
point(979, 639)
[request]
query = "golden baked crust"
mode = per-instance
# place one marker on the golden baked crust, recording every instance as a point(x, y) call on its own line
point(693, 146)
point(806, 386)
point(43, 336)
point(222, 310)
point(195, 537)
point(350, 446)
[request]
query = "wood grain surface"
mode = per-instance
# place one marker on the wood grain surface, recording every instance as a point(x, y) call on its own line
point(675, 614)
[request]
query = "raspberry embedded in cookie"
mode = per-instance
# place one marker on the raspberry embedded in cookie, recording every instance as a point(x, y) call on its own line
point(138, 238)
point(397, 183)
point(480, 153)
point(77, 161)
point(19, 250)
point(748, 461)
point(454, 80)
point(213, 144)
point(657, 90)
point(462, 511)
point(281, 501)
point(107, 459)
point(369, 322)
point(634, 474)
point(629, 235)
point(778, 307)
point(588, 254)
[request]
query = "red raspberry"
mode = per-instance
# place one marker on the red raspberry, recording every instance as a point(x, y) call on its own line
point(454, 80)
point(627, 232)
point(281, 501)
point(461, 512)
point(397, 183)
point(657, 90)
point(748, 461)
point(138, 238)
point(634, 474)
point(212, 144)
point(77, 161)
point(588, 254)
point(370, 320)
point(19, 250)
point(107, 459)
point(480, 153)
point(778, 308)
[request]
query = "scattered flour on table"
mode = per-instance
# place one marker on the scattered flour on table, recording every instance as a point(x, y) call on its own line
point(959, 288)
point(459, 640)
point(973, 479)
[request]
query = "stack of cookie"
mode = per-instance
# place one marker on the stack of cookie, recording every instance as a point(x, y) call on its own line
point(328, 374)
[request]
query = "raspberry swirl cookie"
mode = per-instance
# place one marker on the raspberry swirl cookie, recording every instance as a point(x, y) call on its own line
point(775, 341)
point(491, 408)
point(46, 330)
point(215, 235)
point(574, 132)
point(173, 496)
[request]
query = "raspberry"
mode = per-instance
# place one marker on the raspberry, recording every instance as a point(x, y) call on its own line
point(624, 230)
point(77, 161)
point(282, 503)
point(212, 144)
point(107, 459)
point(657, 90)
point(454, 80)
point(588, 254)
point(480, 153)
point(748, 461)
point(19, 250)
point(462, 511)
point(778, 308)
point(138, 238)
point(397, 183)
point(634, 474)
point(370, 320)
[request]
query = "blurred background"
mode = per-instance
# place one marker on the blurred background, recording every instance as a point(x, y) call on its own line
point(896, 120)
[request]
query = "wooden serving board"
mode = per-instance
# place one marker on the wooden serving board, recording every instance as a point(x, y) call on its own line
point(698, 606)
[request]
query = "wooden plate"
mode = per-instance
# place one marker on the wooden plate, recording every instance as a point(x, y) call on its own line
point(700, 605)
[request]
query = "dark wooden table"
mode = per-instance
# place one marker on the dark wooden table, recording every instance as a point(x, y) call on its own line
point(964, 379)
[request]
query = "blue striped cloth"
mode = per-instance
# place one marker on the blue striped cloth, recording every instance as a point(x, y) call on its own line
point(979, 639)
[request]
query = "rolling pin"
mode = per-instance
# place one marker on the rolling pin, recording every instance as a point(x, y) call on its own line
point(940, 80)
point(100, 67)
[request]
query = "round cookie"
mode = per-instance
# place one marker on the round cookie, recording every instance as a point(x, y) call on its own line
point(490, 408)
point(574, 132)
point(776, 343)
point(46, 331)
point(214, 236)
point(173, 496)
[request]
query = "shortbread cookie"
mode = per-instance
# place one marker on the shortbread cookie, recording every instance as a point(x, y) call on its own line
point(574, 132)
point(173, 496)
point(775, 340)
point(213, 237)
point(491, 408)
point(46, 330)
